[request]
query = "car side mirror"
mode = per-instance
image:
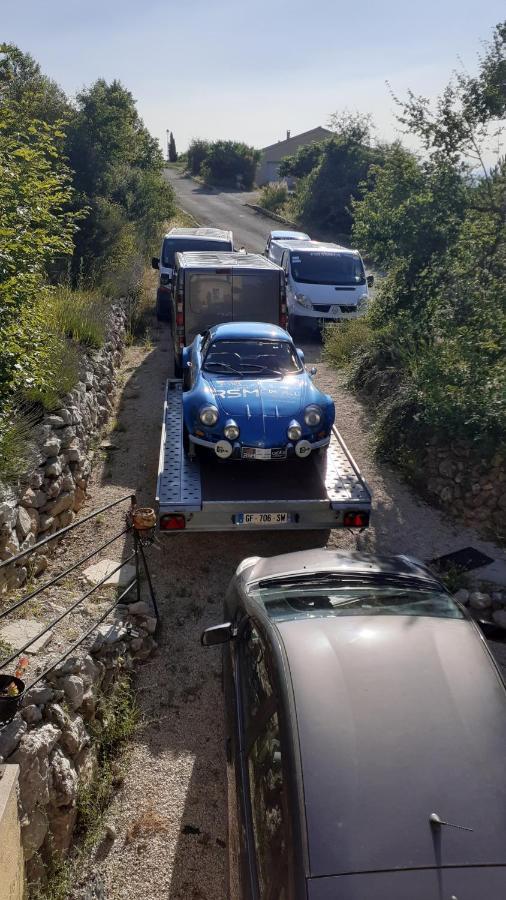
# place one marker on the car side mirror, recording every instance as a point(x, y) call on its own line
point(217, 634)
point(155, 262)
point(312, 371)
point(491, 630)
point(301, 355)
point(370, 280)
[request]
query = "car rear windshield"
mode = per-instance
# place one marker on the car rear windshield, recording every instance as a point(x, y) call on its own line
point(323, 597)
point(252, 358)
point(327, 268)
point(171, 246)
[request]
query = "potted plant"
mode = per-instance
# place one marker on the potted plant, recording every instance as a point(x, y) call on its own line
point(12, 688)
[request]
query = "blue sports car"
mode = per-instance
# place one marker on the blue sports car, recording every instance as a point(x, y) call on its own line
point(247, 395)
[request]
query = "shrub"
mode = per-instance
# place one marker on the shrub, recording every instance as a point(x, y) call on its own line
point(273, 196)
point(345, 340)
point(196, 154)
point(230, 163)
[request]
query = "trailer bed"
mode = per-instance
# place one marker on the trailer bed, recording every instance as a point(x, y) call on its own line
point(216, 495)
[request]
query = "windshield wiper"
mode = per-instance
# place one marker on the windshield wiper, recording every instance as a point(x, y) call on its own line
point(258, 368)
point(223, 366)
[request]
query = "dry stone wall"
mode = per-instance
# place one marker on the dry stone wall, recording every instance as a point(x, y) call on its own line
point(472, 488)
point(54, 737)
point(54, 490)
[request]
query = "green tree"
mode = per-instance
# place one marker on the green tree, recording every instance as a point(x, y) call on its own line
point(172, 149)
point(230, 163)
point(196, 154)
point(302, 162)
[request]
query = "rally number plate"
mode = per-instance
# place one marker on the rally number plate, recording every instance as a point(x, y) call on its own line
point(263, 453)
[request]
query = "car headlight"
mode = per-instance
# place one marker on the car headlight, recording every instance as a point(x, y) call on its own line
point(363, 301)
point(304, 301)
point(294, 431)
point(208, 415)
point(231, 430)
point(312, 415)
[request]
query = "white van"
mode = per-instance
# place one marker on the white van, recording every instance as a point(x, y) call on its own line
point(179, 240)
point(273, 248)
point(324, 283)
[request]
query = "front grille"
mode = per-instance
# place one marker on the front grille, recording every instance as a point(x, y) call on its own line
point(323, 309)
point(348, 309)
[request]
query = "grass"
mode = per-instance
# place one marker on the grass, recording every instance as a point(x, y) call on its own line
point(148, 822)
point(79, 315)
point(273, 197)
point(345, 340)
point(18, 451)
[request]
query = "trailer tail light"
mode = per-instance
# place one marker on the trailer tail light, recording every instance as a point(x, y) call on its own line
point(352, 519)
point(179, 315)
point(172, 522)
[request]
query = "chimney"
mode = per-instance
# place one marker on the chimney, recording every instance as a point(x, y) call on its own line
point(288, 135)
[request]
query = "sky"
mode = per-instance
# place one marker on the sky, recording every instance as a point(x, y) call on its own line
point(222, 69)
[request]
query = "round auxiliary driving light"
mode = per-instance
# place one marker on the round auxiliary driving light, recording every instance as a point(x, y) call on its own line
point(294, 431)
point(223, 449)
point(312, 415)
point(231, 430)
point(303, 449)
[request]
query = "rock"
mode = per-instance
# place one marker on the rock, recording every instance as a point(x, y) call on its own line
point(51, 447)
point(8, 513)
point(64, 780)
point(63, 820)
point(149, 624)
point(67, 436)
point(73, 686)
point(110, 832)
point(53, 467)
point(94, 574)
point(498, 597)
point(39, 742)
point(462, 596)
point(79, 498)
point(479, 600)
point(32, 714)
point(10, 736)
point(65, 416)
point(74, 735)
point(18, 632)
point(68, 483)
point(136, 644)
point(39, 694)
point(92, 670)
point(86, 763)
point(74, 455)
point(9, 546)
point(33, 832)
point(140, 608)
point(63, 502)
point(108, 634)
point(24, 523)
point(34, 519)
point(54, 421)
point(46, 522)
point(37, 479)
point(499, 616)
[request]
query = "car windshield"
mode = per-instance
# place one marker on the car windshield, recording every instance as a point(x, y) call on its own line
point(171, 246)
point(330, 597)
point(322, 267)
point(255, 357)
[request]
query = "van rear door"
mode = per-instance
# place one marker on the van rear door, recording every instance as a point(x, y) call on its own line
point(208, 298)
point(256, 296)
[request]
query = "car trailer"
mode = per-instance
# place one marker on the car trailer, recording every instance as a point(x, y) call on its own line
point(208, 494)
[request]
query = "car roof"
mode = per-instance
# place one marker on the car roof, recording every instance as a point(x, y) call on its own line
point(241, 330)
point(217, 234)
point(214, 259)
point(397, 717)
point(319, 246)
point(279, 235)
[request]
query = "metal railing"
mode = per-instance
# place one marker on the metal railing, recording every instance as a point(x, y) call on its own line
point(137, 554)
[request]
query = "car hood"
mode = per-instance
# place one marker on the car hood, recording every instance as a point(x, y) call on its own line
point(279, 398)
point(398, 717)
point(467, 883)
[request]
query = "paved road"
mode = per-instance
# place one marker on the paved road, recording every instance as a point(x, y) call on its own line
point(222, 209)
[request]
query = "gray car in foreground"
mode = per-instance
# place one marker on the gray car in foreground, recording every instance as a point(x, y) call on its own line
point(366, 734)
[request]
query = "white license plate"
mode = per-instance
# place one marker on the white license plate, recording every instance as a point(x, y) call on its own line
point(274, 518)
point(263, 453)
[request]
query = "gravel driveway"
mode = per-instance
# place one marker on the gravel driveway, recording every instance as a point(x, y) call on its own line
point(170, 813)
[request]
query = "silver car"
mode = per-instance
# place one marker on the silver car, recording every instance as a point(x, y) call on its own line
point(366, 734)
